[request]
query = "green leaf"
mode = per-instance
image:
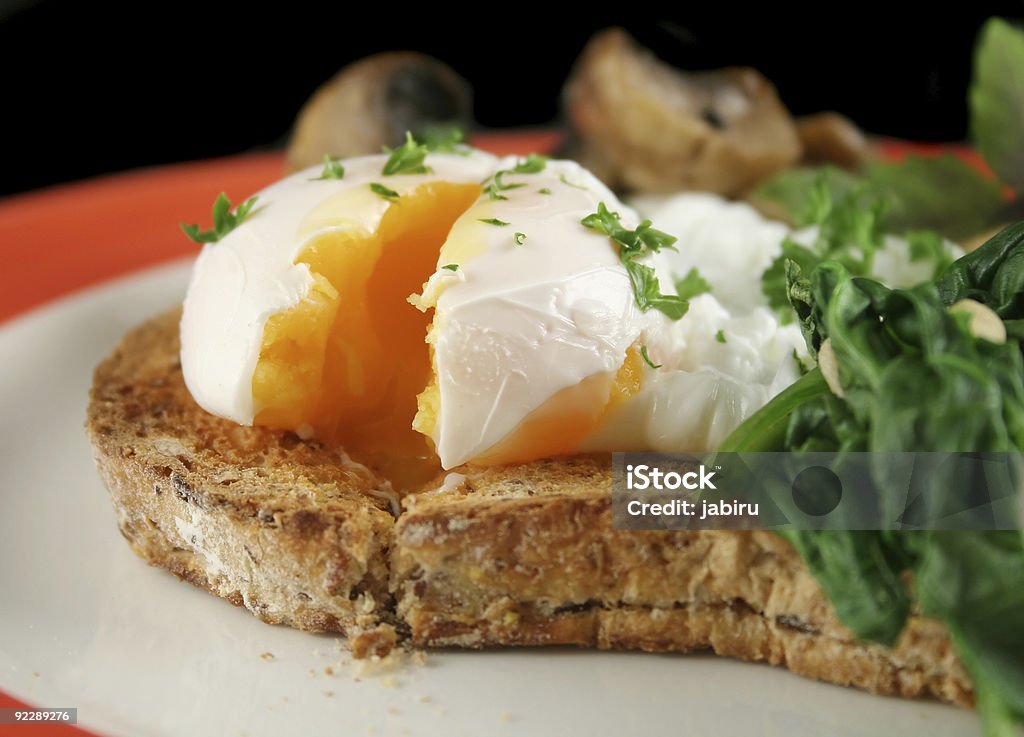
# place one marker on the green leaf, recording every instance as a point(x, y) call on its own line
point(543, 190)
point(332, 169)
point(532, 164)
point(493, 221)
point(974, 583)
point(603, 221)
point(634, 244)
point(648, 295)
point(997, 100)
point(407, 158)
point(916, 379)
point(720, 336)
point(850, 231)
point(647, 359)
point(451, 267)
point(519, 238)
point(798, 190)
point(942, 193)
point(927, 245)
point(992, 274)
point(385, 192)
point(444, 139)
point(224, 221)
point(692, 285)
point(773, 281)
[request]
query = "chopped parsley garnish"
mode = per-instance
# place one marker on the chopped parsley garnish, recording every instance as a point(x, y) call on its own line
point(532, 164)
point(445, 138)
point(692, 285)
point(493, 221)
point(647, 359)
point(634, 244)
point(224, 221)
point(451, 267)
point(720, 337)
point(332, 169)
point(544, 190)
point(519, 238)
point(407, 158)
point(385, 192)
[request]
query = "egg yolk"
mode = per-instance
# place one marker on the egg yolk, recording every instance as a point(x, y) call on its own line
point(347, 363)
point(352, 363)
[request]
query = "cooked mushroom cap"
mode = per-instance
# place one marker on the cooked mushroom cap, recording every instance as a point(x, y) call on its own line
point(643, 125)
point(373, 102)
point(831, 138)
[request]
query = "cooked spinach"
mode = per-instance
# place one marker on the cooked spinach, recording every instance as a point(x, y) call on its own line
point(915, 378)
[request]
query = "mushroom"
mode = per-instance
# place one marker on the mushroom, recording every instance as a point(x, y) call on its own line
point(643, 125)
point(372, 103)
point(831, 138)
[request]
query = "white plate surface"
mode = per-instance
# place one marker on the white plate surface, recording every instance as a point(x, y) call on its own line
point(84, 623)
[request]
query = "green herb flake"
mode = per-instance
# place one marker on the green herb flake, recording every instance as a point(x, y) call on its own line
point(720, 337)
point(493, 221)
point(445, 139)
point(224, 220)
point(385, 192)
point(451, 267)
point(519, 238)
point(692, 285)
point(532, 164)
point(407, 158)
point(647, 359)
point(544, 190)
point(332, 169)
point(634, 244)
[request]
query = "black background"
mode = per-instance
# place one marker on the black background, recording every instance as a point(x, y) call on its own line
point(89, 88)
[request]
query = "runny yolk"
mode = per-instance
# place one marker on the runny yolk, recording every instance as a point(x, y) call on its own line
point(348, 362)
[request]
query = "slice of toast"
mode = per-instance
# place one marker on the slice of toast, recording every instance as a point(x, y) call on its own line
point(294, 531)
point(301, 534)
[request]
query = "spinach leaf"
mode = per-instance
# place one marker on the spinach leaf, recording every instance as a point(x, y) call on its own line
point(914, 378)
point(942, 193)
point(993, 275)
point(850, 231)
point(997, 100)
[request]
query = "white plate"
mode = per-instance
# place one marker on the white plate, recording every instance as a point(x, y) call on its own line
point(84, 623)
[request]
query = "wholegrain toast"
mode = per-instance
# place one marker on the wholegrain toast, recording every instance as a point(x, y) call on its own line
point(301, 534)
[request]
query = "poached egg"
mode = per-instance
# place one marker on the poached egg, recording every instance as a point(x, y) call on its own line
point(465, 314)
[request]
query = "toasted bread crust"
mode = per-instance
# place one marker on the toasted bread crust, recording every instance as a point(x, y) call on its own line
point(526, 555)
point(283, 527)
point(516, 555)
